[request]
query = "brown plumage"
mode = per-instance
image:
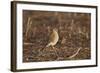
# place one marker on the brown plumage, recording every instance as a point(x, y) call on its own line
point(53, 39)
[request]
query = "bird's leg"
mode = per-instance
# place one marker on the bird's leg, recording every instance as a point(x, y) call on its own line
point(52, 47)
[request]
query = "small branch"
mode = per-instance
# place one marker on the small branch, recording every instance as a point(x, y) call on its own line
point(28, 26)
point(75, 53)
point(28, 43)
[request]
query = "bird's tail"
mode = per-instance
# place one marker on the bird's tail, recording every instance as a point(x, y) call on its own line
point(45, 47)
point(48, 45)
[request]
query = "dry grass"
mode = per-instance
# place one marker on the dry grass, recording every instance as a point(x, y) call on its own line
point(73, 29)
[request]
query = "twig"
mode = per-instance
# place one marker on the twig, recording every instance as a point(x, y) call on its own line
point(75, 53)
point(28, 43)
point(28, 26)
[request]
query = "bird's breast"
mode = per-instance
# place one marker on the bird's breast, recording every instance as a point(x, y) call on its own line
point(54, 38)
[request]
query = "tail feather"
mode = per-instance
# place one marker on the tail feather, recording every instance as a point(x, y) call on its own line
point(48, 45)
point(45, 47)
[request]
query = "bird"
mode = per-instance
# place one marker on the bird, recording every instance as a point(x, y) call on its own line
point(52, 41)
point(53, 38)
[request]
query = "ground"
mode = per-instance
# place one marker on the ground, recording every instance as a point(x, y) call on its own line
point(73, 29)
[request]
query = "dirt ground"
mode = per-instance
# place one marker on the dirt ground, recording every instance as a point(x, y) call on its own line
point(73, 29)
